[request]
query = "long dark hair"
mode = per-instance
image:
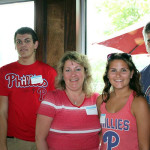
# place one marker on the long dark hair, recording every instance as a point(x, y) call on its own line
point(134, 83)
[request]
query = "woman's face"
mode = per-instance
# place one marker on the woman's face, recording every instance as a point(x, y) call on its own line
point(74, 75)
point(119, 74)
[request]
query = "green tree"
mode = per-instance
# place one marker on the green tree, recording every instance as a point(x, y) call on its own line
point(123, 13)
point(115, 15)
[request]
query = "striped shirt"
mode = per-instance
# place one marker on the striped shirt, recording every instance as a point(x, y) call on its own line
point(72, 128)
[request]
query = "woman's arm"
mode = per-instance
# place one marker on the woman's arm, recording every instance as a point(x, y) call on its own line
point(43, 124)
point(141, 112)
point(98, 103)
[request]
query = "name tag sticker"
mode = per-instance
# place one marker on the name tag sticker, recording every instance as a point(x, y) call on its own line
point(102, 118)
point(91, 110)
point(36, 79)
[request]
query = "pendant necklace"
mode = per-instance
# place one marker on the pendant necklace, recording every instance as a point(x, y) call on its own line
point(75, 102)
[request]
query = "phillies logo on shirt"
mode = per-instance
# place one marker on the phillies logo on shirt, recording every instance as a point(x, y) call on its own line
point(41, 92)
point(26, 81)
point(111, 138)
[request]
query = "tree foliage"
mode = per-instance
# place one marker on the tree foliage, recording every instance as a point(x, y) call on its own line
point(123, 13)
point(115, 15)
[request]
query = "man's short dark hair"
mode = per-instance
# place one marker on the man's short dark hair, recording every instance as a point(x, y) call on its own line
point(26, 30)
point(147, 28)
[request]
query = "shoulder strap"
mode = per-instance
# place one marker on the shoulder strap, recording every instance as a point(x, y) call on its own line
point(131, 98)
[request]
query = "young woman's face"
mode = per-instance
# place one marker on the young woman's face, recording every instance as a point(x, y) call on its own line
point(119, 74)
point(74, 75)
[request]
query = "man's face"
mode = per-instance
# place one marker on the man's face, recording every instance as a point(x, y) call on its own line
point(25, 46)
point(148, 42)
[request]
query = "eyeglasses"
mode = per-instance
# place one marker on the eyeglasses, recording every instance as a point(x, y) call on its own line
point(118, 55)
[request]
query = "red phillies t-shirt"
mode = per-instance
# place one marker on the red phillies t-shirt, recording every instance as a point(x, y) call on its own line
point(25, 86)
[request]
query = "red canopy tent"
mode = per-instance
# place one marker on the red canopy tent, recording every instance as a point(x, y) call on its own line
point(131, 42)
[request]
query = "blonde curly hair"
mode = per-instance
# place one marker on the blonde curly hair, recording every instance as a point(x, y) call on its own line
point(83, 61)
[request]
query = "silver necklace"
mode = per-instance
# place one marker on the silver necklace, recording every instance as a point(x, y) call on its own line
point(75, 102)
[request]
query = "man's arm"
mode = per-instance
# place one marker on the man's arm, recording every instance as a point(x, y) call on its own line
point(3, 121)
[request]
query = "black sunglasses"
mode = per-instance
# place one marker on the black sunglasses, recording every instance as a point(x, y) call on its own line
point(112, 55)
